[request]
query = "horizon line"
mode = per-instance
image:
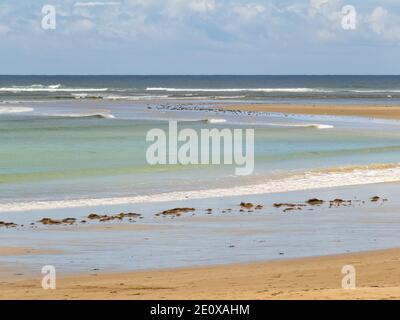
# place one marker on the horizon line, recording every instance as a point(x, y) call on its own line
point(200, 75)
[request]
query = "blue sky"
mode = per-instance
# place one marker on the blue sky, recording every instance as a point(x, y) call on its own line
point(200, 37)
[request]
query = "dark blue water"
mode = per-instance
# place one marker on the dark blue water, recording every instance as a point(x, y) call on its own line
point(308, 89)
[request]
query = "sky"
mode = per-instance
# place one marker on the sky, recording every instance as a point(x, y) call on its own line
point(200, 37)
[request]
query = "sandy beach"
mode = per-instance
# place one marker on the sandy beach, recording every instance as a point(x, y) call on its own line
point(307, 278)
point(370, 111)
point(199, 150)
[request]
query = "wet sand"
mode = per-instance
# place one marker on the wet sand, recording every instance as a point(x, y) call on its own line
point(370, 111)
point(114, 260)
point(17, 251)
point(378, 277)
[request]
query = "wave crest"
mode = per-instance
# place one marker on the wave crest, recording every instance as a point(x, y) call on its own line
point(238, 89)
point(8, 110)
point(48, 88)
point(95, 115)
point(328, 178)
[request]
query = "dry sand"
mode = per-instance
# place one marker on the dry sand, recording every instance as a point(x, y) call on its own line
point(378, 277)
point(371, 111)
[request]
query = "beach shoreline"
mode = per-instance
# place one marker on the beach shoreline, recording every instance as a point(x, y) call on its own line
point(317, 277)
point(377, 277)
point(311, 180)
point(239, 229)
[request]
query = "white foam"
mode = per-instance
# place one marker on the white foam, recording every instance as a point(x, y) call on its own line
point(303, 125)
point(376, 91)
point(83, 115)
point(85, 96)
point(12, 102)
point(135, 98)
point(313, 125)
point(50, 88)
point(56, 86)
point(238, 90)
point(321, 126)
point(6, 110)
point(306, 181)
point(229, 97)
point(216, 121)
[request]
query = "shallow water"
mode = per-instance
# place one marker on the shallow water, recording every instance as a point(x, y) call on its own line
point(51, 153)
point(79, 157)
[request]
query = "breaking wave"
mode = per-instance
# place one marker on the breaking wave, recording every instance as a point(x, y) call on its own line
point(49, 88)
point(8, 110)
point(238, 90)
point(328, 178)
point(100, 115)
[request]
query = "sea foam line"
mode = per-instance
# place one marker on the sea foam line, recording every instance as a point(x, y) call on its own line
point(7, 110)
point(100, 115)
point(308, 181)
point(50, 89)
point(237, 89)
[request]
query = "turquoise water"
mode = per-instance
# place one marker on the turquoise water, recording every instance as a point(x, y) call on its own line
point(55, 145)
point(44, 157)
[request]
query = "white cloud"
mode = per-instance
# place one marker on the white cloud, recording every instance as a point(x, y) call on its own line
point(180, 8)
point(384, 24)
point(206, 23)
point(317, 4)
point(98, 3)
point(202, 6)
point(325, 34)
point(80, 26)
point(4, 30)
point(249, 12)
point(377, 20)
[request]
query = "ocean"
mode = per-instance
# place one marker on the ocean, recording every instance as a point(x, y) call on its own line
point(75, 145)
point(307, 89)
point(77, 140)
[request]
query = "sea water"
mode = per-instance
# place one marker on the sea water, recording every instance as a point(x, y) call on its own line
point(73, 145)
point(55, 146)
